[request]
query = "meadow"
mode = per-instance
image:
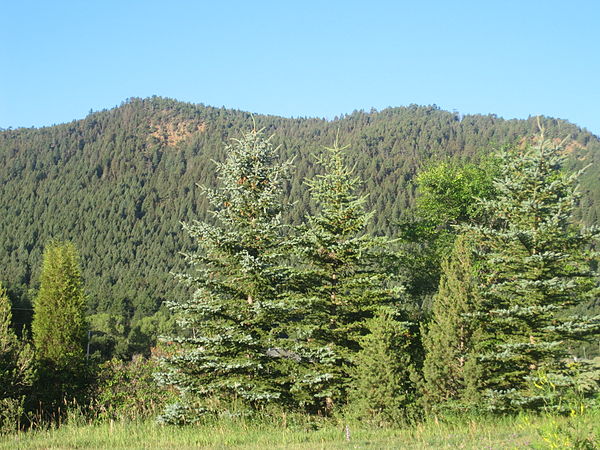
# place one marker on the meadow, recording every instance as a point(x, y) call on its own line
point(580, 430)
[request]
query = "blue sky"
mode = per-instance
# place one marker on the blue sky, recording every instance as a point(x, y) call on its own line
point(301, 58)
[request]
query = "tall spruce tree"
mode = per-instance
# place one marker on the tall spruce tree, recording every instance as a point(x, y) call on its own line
point(449, 363)
point(227, 354)
point(535, 266)
point(349, 274)
point(59, 329)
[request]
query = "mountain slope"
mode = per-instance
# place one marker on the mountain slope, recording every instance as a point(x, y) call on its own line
point(119, 182)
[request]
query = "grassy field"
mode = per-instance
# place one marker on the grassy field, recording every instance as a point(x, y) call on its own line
point(578, 431)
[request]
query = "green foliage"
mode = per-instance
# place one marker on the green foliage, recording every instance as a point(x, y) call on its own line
point(128, 390)
point(60, 329)
point(108, 336)
point(225, 353)
point(572, 391)
point(145, 332)
point(575, 433)
point(16, 370)
point(113, 336)
point(118, 183)
point(535, 266)
point(347, 275)
point(447, 192)
point(266, 325)
point(448, 342)
point(8, 342)
point(383, 387)
point(447, 195)
point(295, 431)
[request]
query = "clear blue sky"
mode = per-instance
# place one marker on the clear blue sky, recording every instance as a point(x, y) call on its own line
point(301, 58)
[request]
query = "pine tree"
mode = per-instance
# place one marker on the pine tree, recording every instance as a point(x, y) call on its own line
point(59, 328)
point(383, 388)
point(228, 354)
point(16, 369)
point(535, 266)
point(452, 332)
point(348, 276)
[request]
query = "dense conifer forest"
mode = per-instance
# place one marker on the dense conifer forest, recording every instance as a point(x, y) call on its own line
point(174, 264)
point(119, 183)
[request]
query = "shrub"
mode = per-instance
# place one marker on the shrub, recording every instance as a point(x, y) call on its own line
point(128, 390)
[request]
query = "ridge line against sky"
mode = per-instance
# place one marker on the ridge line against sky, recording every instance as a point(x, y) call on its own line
point(302, 59)
point(336, 117)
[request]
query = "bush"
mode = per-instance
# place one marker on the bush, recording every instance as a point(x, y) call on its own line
point(128, 390)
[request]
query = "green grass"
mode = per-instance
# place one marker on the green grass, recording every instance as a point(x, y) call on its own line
point(578, 431)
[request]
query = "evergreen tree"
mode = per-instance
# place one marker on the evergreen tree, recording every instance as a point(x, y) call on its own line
point(227, 354)
point(535, 266)
point(59, 328)
point(383, 387)
point(349, 275)
point(16, 369)
point(448, 342)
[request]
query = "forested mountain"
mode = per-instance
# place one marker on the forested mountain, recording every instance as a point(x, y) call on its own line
point(119, 182)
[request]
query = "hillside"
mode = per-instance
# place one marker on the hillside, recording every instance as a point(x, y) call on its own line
point(119, 182)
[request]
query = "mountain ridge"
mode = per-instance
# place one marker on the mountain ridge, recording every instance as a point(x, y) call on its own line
point(341, 116)
point(119, 182)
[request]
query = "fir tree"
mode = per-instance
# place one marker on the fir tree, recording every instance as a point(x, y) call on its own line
point(348, 278)
point(535, 266)
point(383, 388)
point(448, 343)
point(227, 354)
